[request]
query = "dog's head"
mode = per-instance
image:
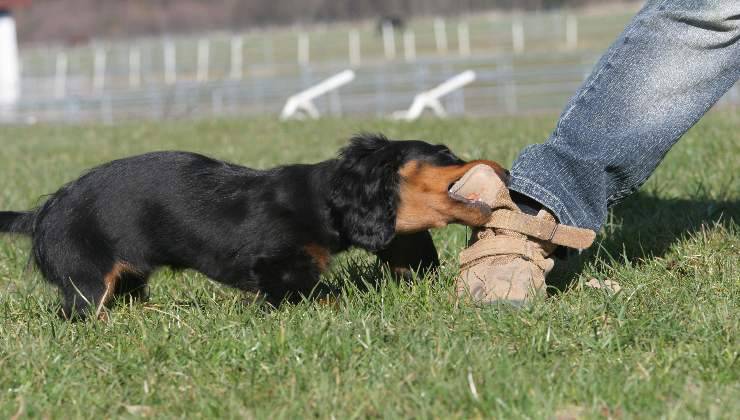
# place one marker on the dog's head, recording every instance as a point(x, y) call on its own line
point(383, 187)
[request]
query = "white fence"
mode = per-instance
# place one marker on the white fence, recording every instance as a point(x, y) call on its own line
point(8, 62)
point(524, 64)
point(120, 64)
point(503, 86)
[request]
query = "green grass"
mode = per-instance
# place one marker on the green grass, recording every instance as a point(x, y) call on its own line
point(665, 346)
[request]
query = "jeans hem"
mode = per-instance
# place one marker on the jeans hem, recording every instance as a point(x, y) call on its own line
point(545, 197)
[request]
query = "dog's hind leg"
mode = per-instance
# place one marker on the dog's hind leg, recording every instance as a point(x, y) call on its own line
point(88, 289)
point(132, 285)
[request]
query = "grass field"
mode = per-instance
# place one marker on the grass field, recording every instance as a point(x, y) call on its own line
point(667, 345)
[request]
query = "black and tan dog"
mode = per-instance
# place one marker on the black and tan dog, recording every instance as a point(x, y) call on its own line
point(271, 231)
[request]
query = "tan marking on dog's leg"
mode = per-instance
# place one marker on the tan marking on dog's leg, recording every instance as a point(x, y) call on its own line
point(110, 280)
point(320, 255)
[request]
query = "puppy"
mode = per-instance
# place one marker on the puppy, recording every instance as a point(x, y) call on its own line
point(267, 231)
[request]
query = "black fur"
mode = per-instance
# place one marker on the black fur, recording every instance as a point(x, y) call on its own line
point(17, 222)
point(245, 228)
point(363, 195)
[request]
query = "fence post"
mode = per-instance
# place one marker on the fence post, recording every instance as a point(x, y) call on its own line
point(60, 79)
point(409, 45)
point(440, 35)
point(237, 57)
point(355, 55)
point(10, 71)
point(170, 62)
point(304, 49)
point(517, 36)
point(204, 52)
point(99, 64)
point(134, 67)
point(389, 41)
point(571, 32)
point(463, 39)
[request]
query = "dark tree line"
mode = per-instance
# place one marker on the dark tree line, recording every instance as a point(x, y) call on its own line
point(76, 21)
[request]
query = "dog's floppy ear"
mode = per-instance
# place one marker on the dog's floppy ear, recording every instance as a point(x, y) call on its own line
point(364, 191)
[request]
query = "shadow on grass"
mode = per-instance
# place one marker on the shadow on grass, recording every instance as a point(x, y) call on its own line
point(645, 226)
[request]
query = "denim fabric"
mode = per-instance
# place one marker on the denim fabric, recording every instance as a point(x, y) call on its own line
point(670, 65)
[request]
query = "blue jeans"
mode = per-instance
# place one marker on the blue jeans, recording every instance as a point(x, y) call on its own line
point(670, 65)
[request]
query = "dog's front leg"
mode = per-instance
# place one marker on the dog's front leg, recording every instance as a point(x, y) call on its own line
point(412, 251)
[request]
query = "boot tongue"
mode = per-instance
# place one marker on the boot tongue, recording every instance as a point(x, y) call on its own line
point(482, 184)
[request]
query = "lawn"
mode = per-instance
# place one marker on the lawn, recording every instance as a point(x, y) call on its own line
point(666, 345)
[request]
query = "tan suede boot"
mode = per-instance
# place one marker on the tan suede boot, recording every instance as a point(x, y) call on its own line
point(507, 259)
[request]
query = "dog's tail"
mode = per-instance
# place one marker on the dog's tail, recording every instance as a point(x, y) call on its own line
point(17, 222)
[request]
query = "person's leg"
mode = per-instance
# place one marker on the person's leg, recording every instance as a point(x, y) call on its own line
point(669, 66)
